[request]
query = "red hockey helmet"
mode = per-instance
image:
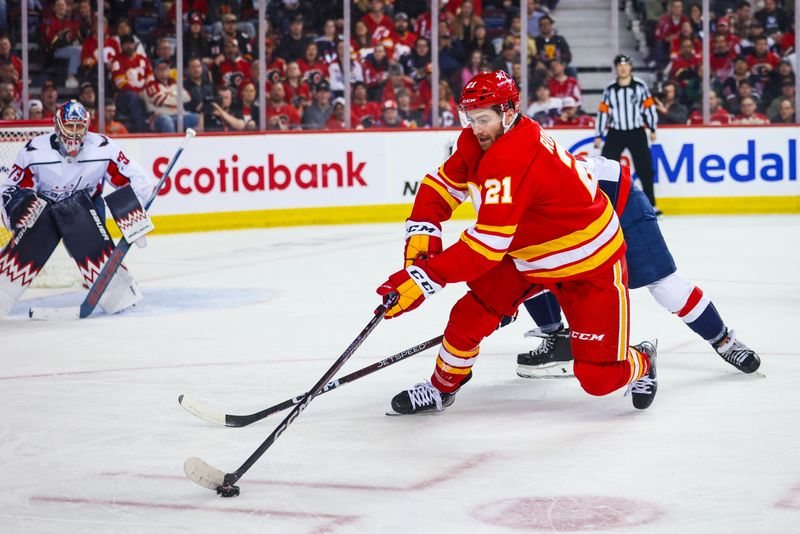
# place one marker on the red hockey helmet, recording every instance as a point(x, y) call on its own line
point(489, 89)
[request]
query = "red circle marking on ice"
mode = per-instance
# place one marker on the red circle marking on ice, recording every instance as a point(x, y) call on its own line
point(567, 513)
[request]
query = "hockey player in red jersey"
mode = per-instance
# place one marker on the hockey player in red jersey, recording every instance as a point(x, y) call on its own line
point(541, 223)
point(53, 192)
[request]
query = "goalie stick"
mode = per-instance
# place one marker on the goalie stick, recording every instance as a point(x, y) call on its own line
point(224, 483)
point(219, 418)
point(114, 261)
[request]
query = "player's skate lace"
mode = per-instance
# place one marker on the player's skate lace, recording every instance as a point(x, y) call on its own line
point(643, 390)
point(737, 353)
point(424, 394)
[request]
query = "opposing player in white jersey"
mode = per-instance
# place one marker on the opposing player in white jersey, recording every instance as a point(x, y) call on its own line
point(53, 192)
point(650, 265)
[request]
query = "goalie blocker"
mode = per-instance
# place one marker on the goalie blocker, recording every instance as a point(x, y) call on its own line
point(79, 221)
point(129, 214)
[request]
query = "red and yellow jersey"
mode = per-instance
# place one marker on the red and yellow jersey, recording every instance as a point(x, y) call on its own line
point(534, 203)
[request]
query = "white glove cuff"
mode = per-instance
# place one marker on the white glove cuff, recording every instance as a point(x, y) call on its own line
point(421, 278)
point(424, 228)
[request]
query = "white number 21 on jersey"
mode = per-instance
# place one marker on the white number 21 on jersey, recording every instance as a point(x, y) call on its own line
point(498, 191)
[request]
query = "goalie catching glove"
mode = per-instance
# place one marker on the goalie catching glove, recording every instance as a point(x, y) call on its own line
point(412, 285)
point(23, 208)
point(423, 240)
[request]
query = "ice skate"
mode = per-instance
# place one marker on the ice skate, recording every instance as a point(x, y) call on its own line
point(424, 397)
point(737, 353)
point(551, 359)
point(643, 391)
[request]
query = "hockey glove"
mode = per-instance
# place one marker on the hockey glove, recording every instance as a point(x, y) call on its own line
point(413, 285)
point(24, 208)
point(423, 240)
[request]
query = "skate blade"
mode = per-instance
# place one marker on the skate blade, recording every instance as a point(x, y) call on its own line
point(393, 413)
point(552, 372)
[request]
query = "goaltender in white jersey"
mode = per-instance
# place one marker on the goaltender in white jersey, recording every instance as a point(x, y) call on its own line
point(52, 192)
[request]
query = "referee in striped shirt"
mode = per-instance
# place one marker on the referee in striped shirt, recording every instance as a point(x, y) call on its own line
point(627, 108)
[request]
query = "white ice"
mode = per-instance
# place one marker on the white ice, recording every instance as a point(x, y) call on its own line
point(92, 438)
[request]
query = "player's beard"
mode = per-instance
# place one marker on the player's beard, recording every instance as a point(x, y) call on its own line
point(486, 139)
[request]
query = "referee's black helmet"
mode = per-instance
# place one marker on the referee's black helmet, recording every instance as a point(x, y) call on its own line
point(623, 58)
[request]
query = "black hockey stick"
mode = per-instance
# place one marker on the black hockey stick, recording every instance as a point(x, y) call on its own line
point(219, 418)
point(224, 483)
point(114, 261)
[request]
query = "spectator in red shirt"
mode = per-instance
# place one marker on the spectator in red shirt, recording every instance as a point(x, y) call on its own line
point(561, 85)
point(721, 58)
point(281, 115)
point(667, 29)
point(570, 117)
point(363, 113)
point(89, 54)
point(748, 113)
point(762, 62)
point(686, 32)
point(5, 53)
point(717, 114)
point(336, 120)
point(402, 35)
point(234, 69)
point(296, 91)
point(377, 19)
point(131, 71)
point(685, 66)
point(397, 82)
point(361, 41)
point(314, 69)
point(376, 72)
point(61, 34)
point(723, 28)
point(276, 66)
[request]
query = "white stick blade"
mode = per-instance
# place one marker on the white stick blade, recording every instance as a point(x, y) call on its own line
point(207, 414)
point(203, 474)
point(54, 314)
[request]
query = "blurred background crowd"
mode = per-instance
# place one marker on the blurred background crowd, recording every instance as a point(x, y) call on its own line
point(752, 74)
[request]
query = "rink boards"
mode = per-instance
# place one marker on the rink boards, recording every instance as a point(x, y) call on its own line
point(281, 179)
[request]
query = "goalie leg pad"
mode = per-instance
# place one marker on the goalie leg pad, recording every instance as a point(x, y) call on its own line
point(24, 256)
point(122, 293)
point(84, 232)
point(86, 238)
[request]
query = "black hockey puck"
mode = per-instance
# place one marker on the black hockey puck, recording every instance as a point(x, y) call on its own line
point(228, 491)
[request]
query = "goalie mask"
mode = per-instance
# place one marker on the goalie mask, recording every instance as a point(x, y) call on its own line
point(496, 90)
point(72, 123)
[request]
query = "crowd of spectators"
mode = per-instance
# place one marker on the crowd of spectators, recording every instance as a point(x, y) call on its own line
point(752, 54)
point(390, 64)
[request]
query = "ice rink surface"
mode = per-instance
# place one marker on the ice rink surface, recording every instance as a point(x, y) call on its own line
point(92, 438)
